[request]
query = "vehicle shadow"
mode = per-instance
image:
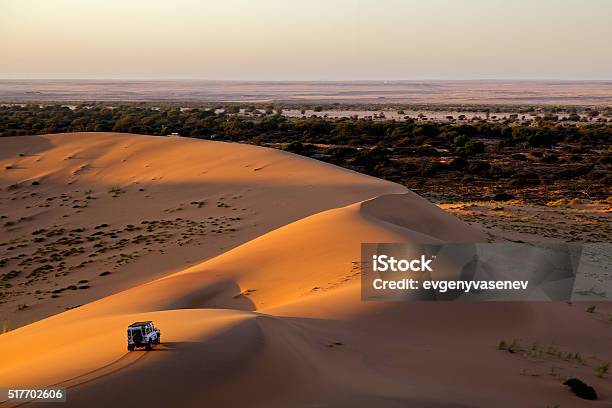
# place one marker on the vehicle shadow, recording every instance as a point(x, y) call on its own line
point(166, 346)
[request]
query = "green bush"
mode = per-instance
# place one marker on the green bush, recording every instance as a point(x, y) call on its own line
point(581, 389)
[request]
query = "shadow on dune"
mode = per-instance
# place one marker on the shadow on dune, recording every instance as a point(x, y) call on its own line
point(425, 354)
point(219, 294)
point(193, 371)
point(262, 361)
point(30, 146)
point(415, 213)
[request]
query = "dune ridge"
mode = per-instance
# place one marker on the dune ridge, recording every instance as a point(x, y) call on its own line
point(202, 198)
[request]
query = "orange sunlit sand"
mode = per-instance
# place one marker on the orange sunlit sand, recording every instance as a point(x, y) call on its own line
point(261, 306)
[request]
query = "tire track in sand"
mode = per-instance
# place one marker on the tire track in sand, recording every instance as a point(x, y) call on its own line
point(126, 360)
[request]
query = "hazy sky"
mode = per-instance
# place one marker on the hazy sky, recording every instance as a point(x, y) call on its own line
point(306, 39)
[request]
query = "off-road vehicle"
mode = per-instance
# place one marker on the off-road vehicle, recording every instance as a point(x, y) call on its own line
point(142, 334)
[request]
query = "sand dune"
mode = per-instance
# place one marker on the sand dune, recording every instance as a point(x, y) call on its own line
point(278, 320)
point(94, 195)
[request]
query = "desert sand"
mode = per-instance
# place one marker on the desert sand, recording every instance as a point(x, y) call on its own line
point(141, 207)
point(267, 312)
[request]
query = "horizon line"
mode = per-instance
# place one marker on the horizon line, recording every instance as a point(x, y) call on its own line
point(311, 80)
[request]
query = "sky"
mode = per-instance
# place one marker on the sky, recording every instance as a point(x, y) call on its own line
point(306, 40)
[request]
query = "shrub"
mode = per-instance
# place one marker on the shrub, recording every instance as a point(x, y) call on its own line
point(514, 347)
point(541, 138)
point(556, 203)
point(298, 147)
point(478, 167)
point(458, 163)
point(606, 160)
point(423, 151)
point(580, 389)
point(575, 158)
point(603, 369)
point(474, 147)
point(575, 172)
point(550, 158)
point(461, 140)
point(503, 197)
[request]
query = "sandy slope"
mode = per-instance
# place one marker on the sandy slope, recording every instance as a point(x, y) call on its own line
point(205, 198)
point(278, 321)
